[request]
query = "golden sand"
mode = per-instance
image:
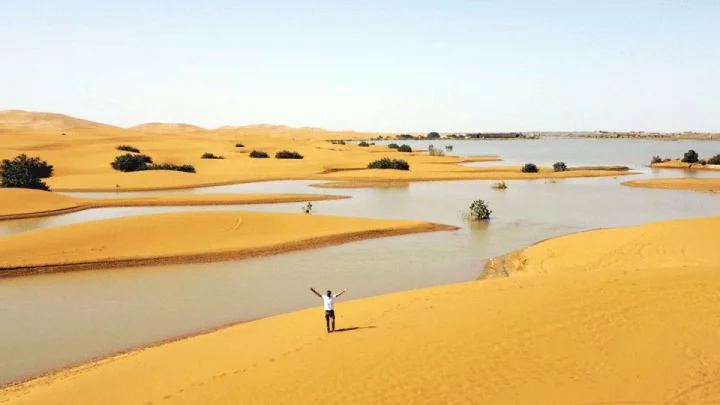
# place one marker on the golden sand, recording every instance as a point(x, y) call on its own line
point(18, 203)
point(702, 185)
point(361, 184)
point(186, 237)
point(678, 164)
point(619, 316)
point(82, 156)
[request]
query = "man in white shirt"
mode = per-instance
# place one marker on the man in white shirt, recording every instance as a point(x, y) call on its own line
point(329, 304)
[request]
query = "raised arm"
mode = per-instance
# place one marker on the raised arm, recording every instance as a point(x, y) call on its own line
point(341, 292)
point(315, 292)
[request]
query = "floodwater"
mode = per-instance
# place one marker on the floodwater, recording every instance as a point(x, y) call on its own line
point(54, 320)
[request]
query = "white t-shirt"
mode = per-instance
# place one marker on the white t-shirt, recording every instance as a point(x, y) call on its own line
point(329, 302)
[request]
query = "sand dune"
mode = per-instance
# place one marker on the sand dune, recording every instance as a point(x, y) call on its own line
point(186, 237)
point(161, 127)
point(702, 185)
point(47, 121)
point(629, 318)
point(21, 203)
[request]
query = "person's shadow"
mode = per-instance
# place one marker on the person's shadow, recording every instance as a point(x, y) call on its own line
point(354, 328)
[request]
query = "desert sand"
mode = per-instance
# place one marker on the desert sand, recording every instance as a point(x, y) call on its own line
point(186, 237)
point(617, 316)
point(701, 185)
point(16, 203)
point(82, 155)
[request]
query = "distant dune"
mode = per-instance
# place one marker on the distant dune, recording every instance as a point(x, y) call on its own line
point(160, 127)
point(43, 120)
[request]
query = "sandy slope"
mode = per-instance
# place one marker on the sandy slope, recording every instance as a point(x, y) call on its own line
point(21, 203)
point(631, 318)
point(703, 185)
point(40, 120)
point(187, 237)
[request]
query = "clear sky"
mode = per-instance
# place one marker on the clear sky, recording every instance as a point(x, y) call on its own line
point(368, 65)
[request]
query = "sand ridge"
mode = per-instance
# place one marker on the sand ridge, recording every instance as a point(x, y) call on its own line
point(18, 203)
point(187, 237)
point(631, 318)
point(701, 185)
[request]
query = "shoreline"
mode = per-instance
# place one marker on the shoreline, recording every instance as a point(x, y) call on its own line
point(167, 201)
point(703, 185)
point(225, 255)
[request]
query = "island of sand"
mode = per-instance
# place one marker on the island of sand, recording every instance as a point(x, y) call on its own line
point(186, 237)
point(614, 316)
point(700, 185)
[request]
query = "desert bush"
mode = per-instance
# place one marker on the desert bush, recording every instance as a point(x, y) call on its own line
point(25, 172)
point(393, 146)
point(703, 162)
point(131, 163)
point(656, 159)
point(169, 166)
point(690, 157)
point(479, 211)
point(433, 151)
point(715, 160)
point(284, 154)
point(385, 163)
point(337, 142)
point(363, 144)
point(239, 145)
point(529, 168)
point(258, 154)
point(500, 185)
point(307, 208)
point(405, 148)
point(433, 135)
point(449, 148)
point(559, 167)
point(127, 148)
point(208, 155)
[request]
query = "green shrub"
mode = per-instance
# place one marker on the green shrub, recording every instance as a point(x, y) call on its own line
point(239, 145)
point(24, 172)
point(479, 211)
point(656, 159)
point(449, 148)
point(690, 157)
point(715, 160)
point(284, 154)
point(558, 166)
point(127, 148)
point(433, 135)
point(258, 154)
point(703, 162)
point(393, 146)
point(169, 166)
point(307, 208)
point(385, 163)
point(405, 148)
point(529, 168)
point(433, 151)
point(208, 155)
point(131, 163)
point(364, 144)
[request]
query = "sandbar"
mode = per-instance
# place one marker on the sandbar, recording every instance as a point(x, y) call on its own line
point(620, 316)
point(18, 203)
point(186, 237)
point(700, 185)
point(679, 164)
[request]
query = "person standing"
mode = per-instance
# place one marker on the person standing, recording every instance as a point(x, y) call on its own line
point(329, 304)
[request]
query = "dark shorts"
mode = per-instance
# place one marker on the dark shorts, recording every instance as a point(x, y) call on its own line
point(329, 314)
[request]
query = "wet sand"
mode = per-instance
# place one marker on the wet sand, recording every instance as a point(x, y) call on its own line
point(625, 315)
point(701, 185)
point(187, 237)
point(18, 203)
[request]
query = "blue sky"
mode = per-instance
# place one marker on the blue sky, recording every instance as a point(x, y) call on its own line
point(368, 65)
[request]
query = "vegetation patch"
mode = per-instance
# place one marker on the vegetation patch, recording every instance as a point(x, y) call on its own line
point(169, 166)
point(715, 160)
point(127, 148)
point(131, 163)
point(529, 168)
point(690, 157)
point(25, 172)
point(363, 144)
point(500, 185)
point(656, 159)
point(433, 151)
point(559, 167)
point(284, 154)
point(257, 154)
point(386, 163)
point(479, 211)
point(208, 155)
point(404, 148)
point(449, 148)
point(393, 146)
point(239, 145)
